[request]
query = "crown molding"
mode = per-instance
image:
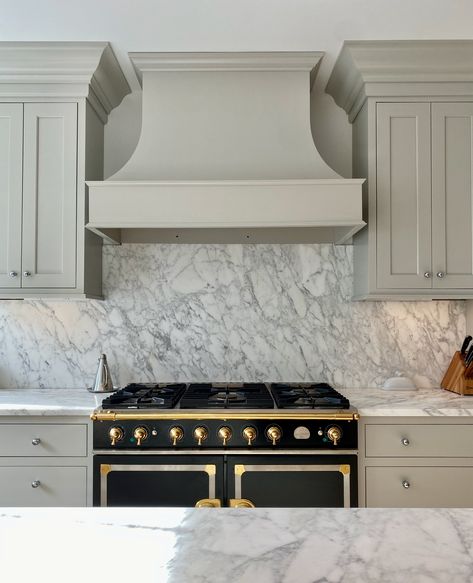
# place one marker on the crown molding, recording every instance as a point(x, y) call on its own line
point(400, 67)
point(63, 70)
point(227, 61)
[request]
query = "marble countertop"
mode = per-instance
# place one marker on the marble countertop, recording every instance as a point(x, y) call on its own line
point(420, 403)
point(236, 545)
point(48, 402)
point(368, 402)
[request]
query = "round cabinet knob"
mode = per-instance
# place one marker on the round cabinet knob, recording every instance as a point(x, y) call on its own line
point(440, 274)
point(115, 434)
point(176, 434)
point(405, 484)
point(225, 434)
point(249, 433)
point(334, 433)
point(13, 274)
point(427, 274)
point(27, 273)
point(35, 484)
point(140, 434)
point(200, 434)
point(405, 441)
point(36, 441)
point(274, 434)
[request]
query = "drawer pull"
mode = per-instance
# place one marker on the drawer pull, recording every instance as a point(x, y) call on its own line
point(35, 484)
point(36, 441)
point(405, 484)
point(405, 441)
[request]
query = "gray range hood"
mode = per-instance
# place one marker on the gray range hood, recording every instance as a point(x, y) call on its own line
point(226, 154)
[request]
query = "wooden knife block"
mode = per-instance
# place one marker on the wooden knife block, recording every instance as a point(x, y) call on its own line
point(454, 379)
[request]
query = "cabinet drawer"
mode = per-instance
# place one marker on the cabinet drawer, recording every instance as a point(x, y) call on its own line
point(419, 440)
point(54, 440)
point(436, 487)
point(55, 486)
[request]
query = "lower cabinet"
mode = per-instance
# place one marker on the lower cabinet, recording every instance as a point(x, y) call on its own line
point(416, 462)
point(43, 486)
point(45, 461)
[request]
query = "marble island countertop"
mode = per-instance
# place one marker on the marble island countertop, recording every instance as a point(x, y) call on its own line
point(236, 545)
point(368, 402)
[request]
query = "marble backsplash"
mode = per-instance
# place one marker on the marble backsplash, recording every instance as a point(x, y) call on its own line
point(227, 312)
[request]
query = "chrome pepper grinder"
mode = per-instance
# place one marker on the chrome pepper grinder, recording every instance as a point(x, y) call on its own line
point(103, 380)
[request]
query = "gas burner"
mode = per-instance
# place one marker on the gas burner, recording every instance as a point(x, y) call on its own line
point(227, 395)
point(307, 396)
point(145, 396)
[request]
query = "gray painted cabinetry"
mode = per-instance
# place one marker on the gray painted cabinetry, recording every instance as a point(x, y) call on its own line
point(412, 463)
point(54, 102)
point(45, 462)
point(412, 116)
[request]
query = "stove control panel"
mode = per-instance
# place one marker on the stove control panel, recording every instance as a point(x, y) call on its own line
point(226, 434)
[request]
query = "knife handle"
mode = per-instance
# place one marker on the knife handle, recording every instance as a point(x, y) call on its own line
point(465, 344)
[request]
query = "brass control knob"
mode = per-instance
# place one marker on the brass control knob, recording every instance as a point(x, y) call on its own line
point(115, 434)
point(334, 433)
point(176, 434)
point(200, 435)
point(140, 434)
point(225, 434)
point(249, 433)
point(274, 434)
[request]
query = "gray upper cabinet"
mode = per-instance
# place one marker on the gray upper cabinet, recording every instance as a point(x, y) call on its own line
point(51, 142)
point(411, 106)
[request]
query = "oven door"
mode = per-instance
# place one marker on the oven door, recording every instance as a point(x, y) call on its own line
point(297, 481)
point(147, 480)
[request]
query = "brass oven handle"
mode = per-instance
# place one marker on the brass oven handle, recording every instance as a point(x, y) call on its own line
point(241, 503)
point(208, 503)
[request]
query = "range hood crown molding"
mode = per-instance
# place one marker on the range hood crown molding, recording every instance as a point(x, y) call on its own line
point(226, 144)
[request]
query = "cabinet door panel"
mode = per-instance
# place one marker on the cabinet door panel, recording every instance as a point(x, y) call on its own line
point(49, 195)
point(11, 142)
point(403, 195)
point(452, 200)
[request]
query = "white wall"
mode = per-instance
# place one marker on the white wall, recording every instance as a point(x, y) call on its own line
point(229, 25)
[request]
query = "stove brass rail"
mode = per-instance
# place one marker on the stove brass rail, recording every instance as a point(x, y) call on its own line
point(174, 415)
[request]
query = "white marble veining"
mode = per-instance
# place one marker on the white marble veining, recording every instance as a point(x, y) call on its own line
point(238, 546)
point(227, 312)
point(46, 402)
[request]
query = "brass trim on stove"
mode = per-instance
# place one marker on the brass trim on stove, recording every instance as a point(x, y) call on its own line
point(208, 503)
point(223, 415)
point(240, 503)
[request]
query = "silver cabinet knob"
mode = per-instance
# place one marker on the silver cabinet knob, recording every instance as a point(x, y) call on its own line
point(440, 274)
point(27, 273)
point(35, 484)
point(36, 441)
point(405, 441)
point(427, 274)
point(405, 484)
point(13, 274)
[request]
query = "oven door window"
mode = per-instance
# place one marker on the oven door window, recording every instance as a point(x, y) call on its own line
point(144, 480)
point(292, 481)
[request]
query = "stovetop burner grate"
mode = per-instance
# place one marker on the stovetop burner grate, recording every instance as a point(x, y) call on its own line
point(227, 396)
point(145, 396)
point(308, 396)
